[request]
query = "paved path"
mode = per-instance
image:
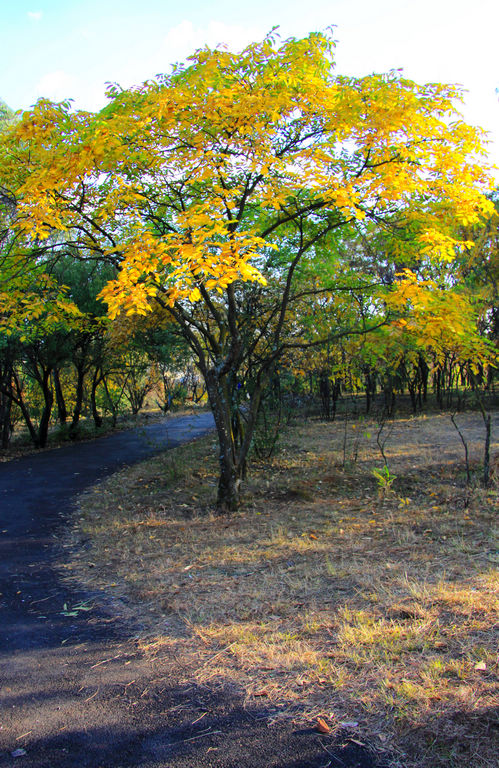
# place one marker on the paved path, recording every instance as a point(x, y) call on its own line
point(75, 691)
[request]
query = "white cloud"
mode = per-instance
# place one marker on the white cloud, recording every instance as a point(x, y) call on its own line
point(35, 15)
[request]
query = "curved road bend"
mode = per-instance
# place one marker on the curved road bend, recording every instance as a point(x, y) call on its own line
point(74, 690)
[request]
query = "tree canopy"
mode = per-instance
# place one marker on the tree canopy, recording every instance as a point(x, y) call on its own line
point(222, 193)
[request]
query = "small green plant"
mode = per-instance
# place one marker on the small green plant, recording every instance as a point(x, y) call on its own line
point(330, 567)
point(384, 479)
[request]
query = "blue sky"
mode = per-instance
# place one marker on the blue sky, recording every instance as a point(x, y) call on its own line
point(70, 48)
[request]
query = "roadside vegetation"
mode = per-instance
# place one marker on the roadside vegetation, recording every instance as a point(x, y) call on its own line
point(350, 587)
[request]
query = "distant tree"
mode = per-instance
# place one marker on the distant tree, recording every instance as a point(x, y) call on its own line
point(83, 280)
point(6, 113)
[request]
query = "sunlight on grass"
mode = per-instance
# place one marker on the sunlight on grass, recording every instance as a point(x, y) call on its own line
point(320, 597)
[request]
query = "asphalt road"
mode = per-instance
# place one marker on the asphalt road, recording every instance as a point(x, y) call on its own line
point(75, 690)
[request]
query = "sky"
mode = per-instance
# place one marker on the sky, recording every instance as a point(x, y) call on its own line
point(63, 49)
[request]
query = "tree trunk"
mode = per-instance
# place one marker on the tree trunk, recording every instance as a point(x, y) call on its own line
point(112, 407)
point(5, 419)
point(336, 394)
point(233, 448)
point(79, 397)
point(229, 483)
point(62, 411)
point(325, 393)
point(6, 394)
point(96, 380)
point(423, 372)
point(25, 412)
point(48, 396)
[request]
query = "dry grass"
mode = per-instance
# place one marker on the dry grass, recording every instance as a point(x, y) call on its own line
point(326, 594)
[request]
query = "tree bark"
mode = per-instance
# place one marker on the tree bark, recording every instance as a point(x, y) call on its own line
point(229, 483)
point(48, 396)
point(96, 380)
point(5, 419)
point(6, 395)
point(80, 369)
point(62, 411)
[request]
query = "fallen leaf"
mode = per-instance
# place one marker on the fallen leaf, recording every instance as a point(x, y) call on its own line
point(481, 666)
point(349, 724)
point(18, 753)
point(322, 726)
point(263, 692)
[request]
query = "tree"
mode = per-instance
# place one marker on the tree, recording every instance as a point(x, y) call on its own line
point(83, 281)
point(218, 190)
point(35, 343)
point(171, 362)
point(478, 269)
point(6, 114)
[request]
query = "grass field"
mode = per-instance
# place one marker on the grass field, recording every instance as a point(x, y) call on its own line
point(339, 590)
